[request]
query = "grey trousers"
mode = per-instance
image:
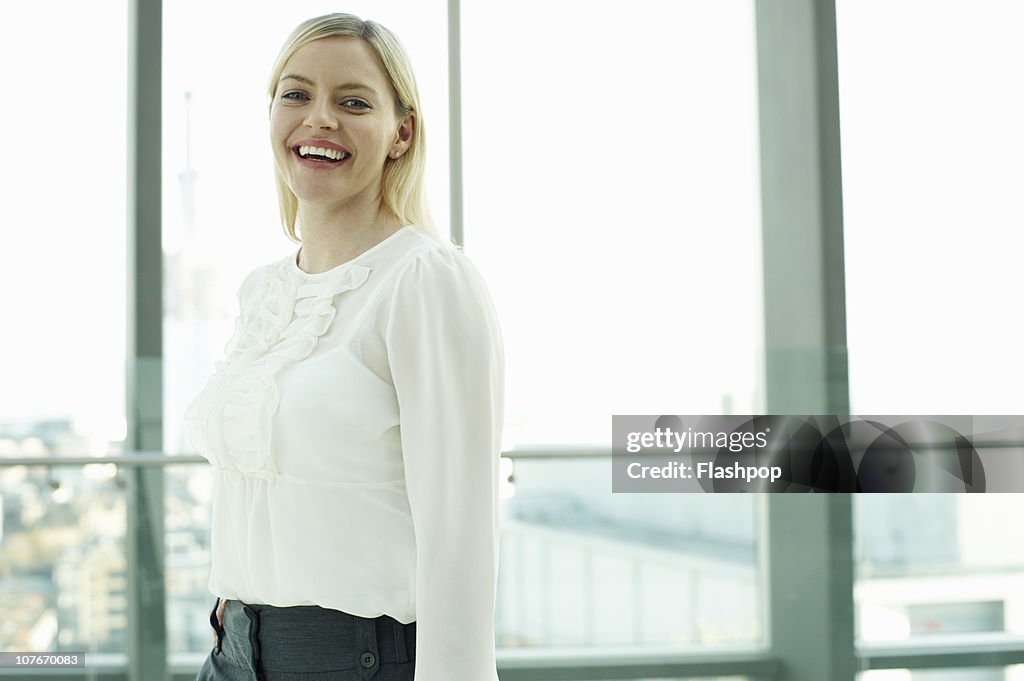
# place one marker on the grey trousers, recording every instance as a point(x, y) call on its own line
point(308, 643)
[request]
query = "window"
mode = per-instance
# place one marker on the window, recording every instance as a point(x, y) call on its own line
point(611, 199)
point(62, 265)
point(221, 220)
point(931, 176)
point(62, 270)
point(931, 143)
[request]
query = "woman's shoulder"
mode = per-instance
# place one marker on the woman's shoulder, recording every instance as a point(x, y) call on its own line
point(440, 278)
point(437, 285)
point(433, 257)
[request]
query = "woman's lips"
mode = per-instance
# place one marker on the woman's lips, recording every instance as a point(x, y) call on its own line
point(319, 165)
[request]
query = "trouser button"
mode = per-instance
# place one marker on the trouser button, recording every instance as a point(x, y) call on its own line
point(367, 659)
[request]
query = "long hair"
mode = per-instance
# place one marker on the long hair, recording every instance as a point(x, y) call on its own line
point(402, 184)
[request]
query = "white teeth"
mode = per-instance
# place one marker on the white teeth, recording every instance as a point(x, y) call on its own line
point(305, 151)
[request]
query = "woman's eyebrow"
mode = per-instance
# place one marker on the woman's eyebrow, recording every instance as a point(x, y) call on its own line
point(346, 86)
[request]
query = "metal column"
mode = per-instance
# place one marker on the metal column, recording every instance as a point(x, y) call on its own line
point(455, 121)
point(810, 542)
point(147, 635)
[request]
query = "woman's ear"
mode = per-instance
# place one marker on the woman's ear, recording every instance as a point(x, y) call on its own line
point(403, 135)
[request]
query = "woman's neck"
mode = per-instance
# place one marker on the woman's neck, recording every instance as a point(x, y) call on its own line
point(332, 238)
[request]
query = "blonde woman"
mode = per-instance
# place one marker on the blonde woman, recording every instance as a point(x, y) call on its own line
point(354, 423)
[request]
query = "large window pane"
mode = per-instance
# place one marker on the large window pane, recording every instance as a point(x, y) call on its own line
point(931, 152)
point(220, 207)
point(611, 196)
point(581, 566)
point(931, 177)
point(221, 216)
point(189, 489)
point(62, 349)
point(938, 565)
point(611, 199)
point(63, 568)
point(62, 260)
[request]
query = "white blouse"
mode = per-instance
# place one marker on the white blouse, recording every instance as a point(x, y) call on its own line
point(354, 426)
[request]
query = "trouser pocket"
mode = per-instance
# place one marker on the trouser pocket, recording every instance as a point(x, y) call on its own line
point(216, 625)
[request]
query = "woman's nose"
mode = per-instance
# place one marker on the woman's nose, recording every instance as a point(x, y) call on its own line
point(320, 117)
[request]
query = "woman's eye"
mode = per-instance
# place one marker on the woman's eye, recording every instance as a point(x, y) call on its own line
point(294, 96)
point(356, 103)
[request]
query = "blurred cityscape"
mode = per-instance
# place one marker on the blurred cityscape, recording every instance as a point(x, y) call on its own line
point(570, 568)
point(579, 565)
point(63, 571)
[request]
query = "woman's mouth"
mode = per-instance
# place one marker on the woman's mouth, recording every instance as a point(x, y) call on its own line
point(320, 157)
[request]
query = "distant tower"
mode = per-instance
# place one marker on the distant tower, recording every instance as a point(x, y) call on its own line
point(187, 178)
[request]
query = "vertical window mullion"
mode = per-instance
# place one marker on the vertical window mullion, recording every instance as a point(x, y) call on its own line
point(809, 538)
point(147, 634)
point(455, 119)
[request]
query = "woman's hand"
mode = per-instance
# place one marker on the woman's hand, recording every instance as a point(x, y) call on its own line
point(220, 618)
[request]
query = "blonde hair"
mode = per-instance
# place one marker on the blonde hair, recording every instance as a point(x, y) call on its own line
point(402, 185)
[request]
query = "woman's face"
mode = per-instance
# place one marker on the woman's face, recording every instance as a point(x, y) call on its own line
point(334, 94)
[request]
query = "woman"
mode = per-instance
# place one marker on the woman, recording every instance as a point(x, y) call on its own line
point(355, 422)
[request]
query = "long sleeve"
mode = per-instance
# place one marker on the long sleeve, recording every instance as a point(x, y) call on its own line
point(446, 354)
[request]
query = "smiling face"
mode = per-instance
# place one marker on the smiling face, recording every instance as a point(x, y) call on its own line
point(333, 123)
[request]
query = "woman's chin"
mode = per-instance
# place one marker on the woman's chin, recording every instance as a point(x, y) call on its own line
point(316, 195)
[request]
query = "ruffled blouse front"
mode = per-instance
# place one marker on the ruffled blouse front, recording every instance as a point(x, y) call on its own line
point(282, 317)
point(354, 426)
